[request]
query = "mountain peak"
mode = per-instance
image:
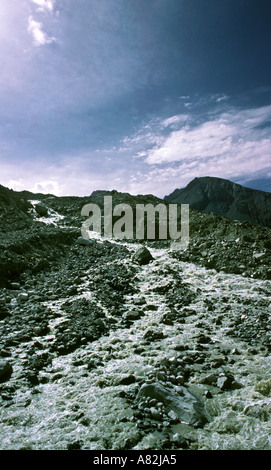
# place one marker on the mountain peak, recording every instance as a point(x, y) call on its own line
point(225, 198)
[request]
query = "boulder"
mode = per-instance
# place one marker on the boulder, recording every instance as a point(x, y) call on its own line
point(3, 311)
point(5, 370)
point(188, 408)
point(142, 256)
point(133, 314)
point(83, 241)
point(227, 382)
point(23, 296)
point(127, 379)
point(41, 210)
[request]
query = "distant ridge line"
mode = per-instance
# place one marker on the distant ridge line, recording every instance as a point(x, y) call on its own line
point(225, 198)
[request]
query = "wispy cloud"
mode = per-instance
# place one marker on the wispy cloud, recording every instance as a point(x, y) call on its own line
point(44, 5)
point(40, 38)
point(232, 134)
point(173, 121)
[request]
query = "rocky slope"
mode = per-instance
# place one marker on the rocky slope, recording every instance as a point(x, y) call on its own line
point(225, 198)
point(103, 347)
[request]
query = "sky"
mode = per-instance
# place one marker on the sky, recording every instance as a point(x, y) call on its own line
point(140, 96)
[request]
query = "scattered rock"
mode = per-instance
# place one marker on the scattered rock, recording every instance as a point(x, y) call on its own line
point(76, 445)
point(15, 285)
point(187, 408)
point(210, 379)
point(151, 307)
point(227, 382)
point(33, 378)
point(153, 335)
point(83, 241)
point(41, 209)
point(142, 256)
point(127, 380)
point(224, 382)
point(23, 296)
point(6, 370)
point(133, 314)
point(156, 414)
point(3, 311)
point(204, 339)
point(139, 301)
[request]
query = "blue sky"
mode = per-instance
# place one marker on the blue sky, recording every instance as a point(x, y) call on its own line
point(134, 95)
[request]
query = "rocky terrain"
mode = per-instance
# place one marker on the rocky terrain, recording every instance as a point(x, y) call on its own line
point(222, 197)
point(109, 344)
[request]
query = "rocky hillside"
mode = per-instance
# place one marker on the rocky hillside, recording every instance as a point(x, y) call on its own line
point(225, 198)
point(13, 210)
point(36, 231)
point(119, 345)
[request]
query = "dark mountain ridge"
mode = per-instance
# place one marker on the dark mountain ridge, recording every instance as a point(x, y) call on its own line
point(224, 198)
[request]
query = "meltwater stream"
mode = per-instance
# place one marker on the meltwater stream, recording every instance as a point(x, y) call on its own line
point(84, 407)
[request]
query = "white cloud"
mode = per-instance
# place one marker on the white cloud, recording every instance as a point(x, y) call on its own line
point(40, 38)
point(173, 120)
point(173, 151)
point(75, 176)
point(44, 5)
point(209, 139)
point(219, 97)
point(47, 187)
point(44, 187)
point(222, 98)
point(231, 135)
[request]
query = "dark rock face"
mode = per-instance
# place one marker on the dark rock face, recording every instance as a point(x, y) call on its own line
point(209, 194)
